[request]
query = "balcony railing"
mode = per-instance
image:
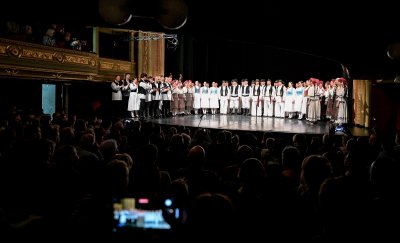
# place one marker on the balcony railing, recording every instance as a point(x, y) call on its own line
point(34, 61)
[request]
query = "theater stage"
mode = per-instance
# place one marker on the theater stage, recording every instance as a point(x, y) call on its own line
point(259, 124)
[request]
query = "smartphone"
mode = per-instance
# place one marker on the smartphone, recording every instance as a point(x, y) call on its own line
point(144, 213)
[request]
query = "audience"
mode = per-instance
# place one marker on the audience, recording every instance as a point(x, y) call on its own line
point(54, 35)
point(229, 184)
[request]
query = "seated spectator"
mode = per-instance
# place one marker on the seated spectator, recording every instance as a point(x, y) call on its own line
point(211, 215)
point(48, 38)
point(76, 44)
point(65, 42)
point(24, 35)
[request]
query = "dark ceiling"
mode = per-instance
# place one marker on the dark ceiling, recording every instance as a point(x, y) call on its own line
point(356, 35)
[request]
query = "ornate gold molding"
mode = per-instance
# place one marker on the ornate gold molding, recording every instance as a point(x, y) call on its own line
point(115, 65)
point(3, 49)
point(37, 54)
point(29, 60)
point(106, 65)
point(20, 59)
point(13, 50)
point(42, 73)
point(80, 60)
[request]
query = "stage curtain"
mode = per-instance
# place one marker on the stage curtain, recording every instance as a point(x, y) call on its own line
point(151, 53)
point(362, 100)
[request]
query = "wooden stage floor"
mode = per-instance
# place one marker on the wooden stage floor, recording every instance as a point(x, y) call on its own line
point(259, 124)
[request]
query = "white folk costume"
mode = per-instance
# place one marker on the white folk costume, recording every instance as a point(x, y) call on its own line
point(245, 94)
point(298, 100)
point(341, 104)
point(134, 100)
point(279, 101)
point(224, 93)
point(214, 101)
point(116, 97)
point(205, 99)
point(197, 99)
point(304, 104)
point(116, 90)
point(234, 99)
point(269, 95)
point(256, 106)
point(289, 101)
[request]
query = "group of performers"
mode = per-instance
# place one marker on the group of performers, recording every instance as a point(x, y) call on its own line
point(313, 99)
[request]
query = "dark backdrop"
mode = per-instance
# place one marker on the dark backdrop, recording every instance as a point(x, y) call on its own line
point(212, 59)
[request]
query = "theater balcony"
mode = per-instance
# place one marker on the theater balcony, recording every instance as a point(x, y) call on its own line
point(35, 61)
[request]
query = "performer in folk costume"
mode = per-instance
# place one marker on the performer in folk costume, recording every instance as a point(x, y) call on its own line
point(320, 94)
point(252, 84)
point(188, 90)
point(205, 97)
point(149, 97)
point(156, 97)
point(144, 88)
point(214, 98)
point(197, 97)
point(166, 94)
point(290, 100)
point(234, 97)
point(240, 108)
point(224, 93)
point(329, 99)
point(175, 99)
point(245, 93)
point(298, 98)
point(261, 97)
point(324, 101)
point(256, 107)
point(313, 100)
point(125, 94)
point(269, 96)
point(279, 100)
point(304, 104)
point(134, 100)
point(341, 102)
point(181, 98)
point(116, 97)
point(334, 113)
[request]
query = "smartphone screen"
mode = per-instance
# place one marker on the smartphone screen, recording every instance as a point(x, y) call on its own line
point(142, 214)
point(138, 218)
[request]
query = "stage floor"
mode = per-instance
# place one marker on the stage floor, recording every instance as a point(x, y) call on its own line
point(250, 123)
